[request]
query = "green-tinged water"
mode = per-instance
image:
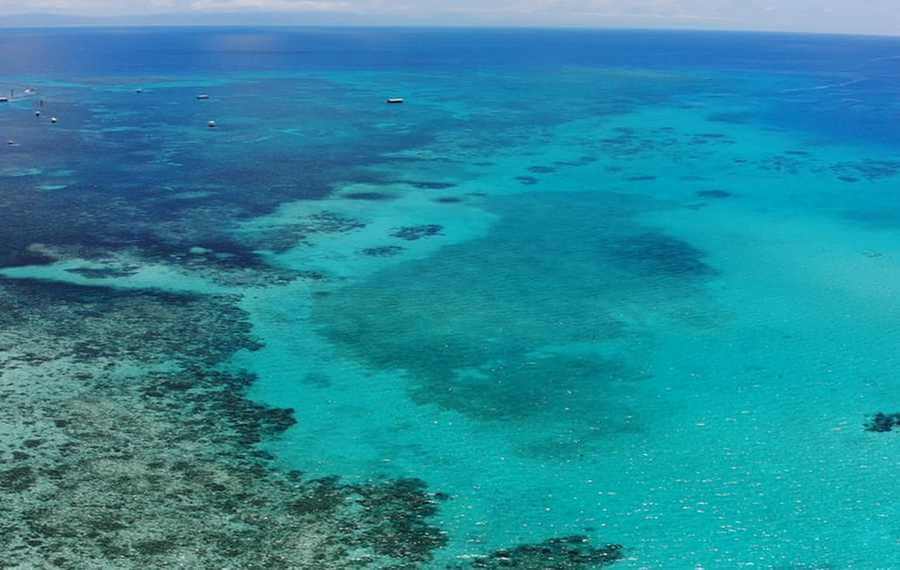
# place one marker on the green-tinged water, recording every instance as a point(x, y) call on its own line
point(638, 305)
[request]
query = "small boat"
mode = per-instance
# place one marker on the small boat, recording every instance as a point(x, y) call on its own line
point(202, 97)
point(54, 120)
point(212, 124)
point(395, 101)
point(138, 90)
point(37, 113)
point(4, 99)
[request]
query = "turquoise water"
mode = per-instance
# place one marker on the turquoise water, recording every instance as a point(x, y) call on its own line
point(650, 304)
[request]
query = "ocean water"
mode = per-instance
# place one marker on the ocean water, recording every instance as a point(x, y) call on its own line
point(642, 288)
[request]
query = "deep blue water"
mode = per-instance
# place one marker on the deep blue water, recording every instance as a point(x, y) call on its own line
point(639, 287)
point(863, 68)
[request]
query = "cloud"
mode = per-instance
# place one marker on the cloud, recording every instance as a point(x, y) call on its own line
point(875, 16)
point(270, 6)
point(90, 7)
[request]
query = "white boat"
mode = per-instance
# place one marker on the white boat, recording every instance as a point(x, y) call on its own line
point(202, 97)
point(395, 100)
point(4, 99)
point(212, 124)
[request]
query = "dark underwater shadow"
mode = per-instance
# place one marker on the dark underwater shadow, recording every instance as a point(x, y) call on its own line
point(524, 325)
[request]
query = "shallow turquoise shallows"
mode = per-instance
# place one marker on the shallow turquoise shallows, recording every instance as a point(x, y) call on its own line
point(642, 287)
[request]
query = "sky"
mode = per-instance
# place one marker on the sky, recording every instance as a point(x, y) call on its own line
point(847, 16)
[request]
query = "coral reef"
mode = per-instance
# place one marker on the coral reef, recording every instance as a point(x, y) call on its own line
point(567, 553)
point(882, 422)
point(579, 270)
point(382, 251)
point(655, 253)
point(368, 196)
point(870, 169)
point(717, 194)
point(413, 233)
point(428, 185)
point(128, 448)
point(282, 237)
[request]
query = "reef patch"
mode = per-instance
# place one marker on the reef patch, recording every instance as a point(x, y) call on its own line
point(429, 185)
point(870, 169)
point(537, 287)
point(655, 253)
point(566, 553)
point(282, 237)
point(104, 272)
point(882, 422)
point(129, 448)
point(383, 251)
point(368, 196)
point(413, 233)
point(716, 194)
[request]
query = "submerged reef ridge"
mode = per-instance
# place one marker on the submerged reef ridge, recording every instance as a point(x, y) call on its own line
point(882, 422)
point(126, 449)
point(566, 553)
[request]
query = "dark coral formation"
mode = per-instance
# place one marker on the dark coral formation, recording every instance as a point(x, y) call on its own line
point(286, 236)
point(369, 196)
point(383, 251)
point(566, 553)
point(704, 138)
point(783, 164)
point(311, 275)
point(429, 185)
point(129, 448)
point(630, 142)
point(604, 257)
point(869, 169)
point(655, 253)
point(527, 180)
point(882, 422)
point(413, 233)
point(716, 194)
point(733, 118)
point(103, 272)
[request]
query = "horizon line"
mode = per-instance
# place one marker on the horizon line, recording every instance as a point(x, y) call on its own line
point(96, 22)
